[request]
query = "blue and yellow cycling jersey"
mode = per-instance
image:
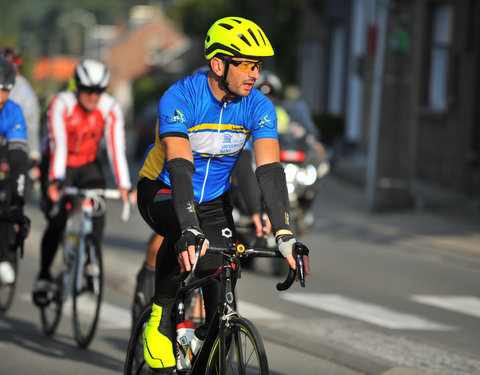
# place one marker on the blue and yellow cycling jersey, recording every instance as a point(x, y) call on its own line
point(12, 122)
point(217, 132)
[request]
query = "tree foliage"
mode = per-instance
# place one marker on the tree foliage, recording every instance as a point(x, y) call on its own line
point(278, 18)
point(40, 27)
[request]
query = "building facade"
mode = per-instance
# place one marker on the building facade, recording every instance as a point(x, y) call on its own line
point(403, 76)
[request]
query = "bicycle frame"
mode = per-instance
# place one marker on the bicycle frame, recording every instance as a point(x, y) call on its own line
point(226, 309)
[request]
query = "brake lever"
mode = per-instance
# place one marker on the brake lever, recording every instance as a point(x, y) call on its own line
point(198, 249)
point(299, 250)
point(301, 270)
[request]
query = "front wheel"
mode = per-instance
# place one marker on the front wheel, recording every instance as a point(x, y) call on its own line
point(7, 290)
point(244, 351)
point(9, 258)
point(87, 292)
point(135, 362)
point(51, 313)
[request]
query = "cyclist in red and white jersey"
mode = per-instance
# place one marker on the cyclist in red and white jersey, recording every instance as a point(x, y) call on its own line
point(77, 122)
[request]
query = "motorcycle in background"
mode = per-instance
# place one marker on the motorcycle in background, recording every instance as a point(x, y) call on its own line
point(306, 163)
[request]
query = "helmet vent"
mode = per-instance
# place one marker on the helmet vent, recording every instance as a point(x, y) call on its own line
point(226, 26)
point(234, 46)
point(253, 36)
point(245, 40)
point(263, 38)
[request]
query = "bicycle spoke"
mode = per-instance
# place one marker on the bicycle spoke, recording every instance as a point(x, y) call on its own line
point(245, 351)
point(87, 293)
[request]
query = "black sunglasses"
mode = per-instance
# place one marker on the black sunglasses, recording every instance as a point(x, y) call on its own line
point(91, 90)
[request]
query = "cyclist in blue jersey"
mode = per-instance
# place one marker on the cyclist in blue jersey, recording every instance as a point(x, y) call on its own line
point(13, 169)
point(203, 123)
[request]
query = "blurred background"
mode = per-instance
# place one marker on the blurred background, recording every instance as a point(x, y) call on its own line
point(393, 85)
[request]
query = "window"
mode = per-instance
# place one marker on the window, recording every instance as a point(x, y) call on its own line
point(442, 19)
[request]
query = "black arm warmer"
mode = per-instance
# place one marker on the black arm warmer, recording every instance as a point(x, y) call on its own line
point(273, 185)
point(18, 160)
point(181, 177)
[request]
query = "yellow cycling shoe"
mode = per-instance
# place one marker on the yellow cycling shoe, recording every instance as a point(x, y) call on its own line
point(157, 347)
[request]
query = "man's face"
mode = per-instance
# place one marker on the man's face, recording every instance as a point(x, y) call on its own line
point(3, 98)
point(241, 77)
point(88, 99)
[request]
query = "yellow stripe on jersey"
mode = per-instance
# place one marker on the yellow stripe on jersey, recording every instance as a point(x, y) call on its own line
point(154, 162)
point(214, 127)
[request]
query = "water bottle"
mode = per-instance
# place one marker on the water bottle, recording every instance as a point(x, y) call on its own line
point(197, 342)
point(185, 333)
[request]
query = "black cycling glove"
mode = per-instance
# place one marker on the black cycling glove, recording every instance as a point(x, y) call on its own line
point(190, 236)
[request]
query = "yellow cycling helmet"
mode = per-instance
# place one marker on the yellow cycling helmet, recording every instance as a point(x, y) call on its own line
point(238, 37)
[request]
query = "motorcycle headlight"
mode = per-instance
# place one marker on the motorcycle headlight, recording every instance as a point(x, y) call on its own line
point(307, 176)
point(291, 172)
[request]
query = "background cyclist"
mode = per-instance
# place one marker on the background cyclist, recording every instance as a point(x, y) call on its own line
point(24, 95)
point(77, 121)
point(13, 168)
point(203, 123)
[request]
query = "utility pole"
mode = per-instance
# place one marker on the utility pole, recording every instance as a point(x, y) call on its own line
point(388, 179)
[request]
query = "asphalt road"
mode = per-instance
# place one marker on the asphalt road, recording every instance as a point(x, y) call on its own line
point(376, 303)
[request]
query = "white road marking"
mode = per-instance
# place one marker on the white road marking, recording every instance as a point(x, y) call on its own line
point(111, 316)
point(468, 305)
point(114, 317)
point(367, 312)
point(252, 311)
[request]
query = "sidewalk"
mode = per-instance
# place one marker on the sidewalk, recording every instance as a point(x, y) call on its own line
point(444, 222)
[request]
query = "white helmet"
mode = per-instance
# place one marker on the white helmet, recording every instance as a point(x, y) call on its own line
point(91, 74)
point(269, 83)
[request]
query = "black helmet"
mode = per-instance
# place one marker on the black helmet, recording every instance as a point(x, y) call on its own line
point(7, 74)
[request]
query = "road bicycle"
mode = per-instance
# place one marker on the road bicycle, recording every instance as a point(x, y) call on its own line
point(232, 344)
point(81, 271)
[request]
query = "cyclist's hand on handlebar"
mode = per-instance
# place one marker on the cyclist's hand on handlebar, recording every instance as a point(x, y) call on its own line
point(285, 245)
point(260, 229)
point(21, 222)
point(53, 191)
point(129, 195)
point(186, 246)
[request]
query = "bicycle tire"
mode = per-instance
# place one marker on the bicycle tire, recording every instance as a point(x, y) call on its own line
point(134, 362)
point(7, 291)
point(87, 291)
point(245, 353)
point(51, 313)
